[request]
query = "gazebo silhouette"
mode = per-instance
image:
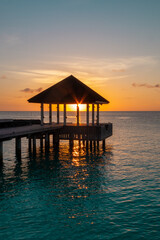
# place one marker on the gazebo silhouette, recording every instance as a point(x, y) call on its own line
point(69, 91)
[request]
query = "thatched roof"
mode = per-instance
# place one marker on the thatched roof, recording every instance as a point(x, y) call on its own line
point(70, 91)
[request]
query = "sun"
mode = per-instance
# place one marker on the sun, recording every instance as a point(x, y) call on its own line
point(82, 107)
point(73, 107)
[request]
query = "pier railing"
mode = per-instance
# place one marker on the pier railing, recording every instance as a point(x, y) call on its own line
point(83, 132)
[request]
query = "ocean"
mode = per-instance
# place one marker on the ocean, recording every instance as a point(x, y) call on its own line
point(111, 194)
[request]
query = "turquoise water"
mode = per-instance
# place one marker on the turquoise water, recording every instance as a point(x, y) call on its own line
point(77, 195)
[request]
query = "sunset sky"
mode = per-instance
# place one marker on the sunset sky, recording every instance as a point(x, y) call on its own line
point(113, 46)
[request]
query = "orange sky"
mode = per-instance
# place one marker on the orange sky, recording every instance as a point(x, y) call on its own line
point(112, 47)
point(121, 97)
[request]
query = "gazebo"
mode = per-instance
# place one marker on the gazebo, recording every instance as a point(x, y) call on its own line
point(69, 91)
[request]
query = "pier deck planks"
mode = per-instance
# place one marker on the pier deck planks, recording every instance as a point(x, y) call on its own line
point(24, 131)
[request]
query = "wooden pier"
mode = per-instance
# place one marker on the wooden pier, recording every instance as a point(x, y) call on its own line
point(71, 132)
point(68, 91)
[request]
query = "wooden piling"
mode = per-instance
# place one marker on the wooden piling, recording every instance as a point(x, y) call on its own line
point(56, 140)
point(71, 141)
point(18, 147)
point(34, 144)
point(97, 145)
point(71, 145)
point(41, 144)
point(47, 143)
point(30, 144)
point(94, 145)
point(1, 152)
point(87, 145)
point(91, 145)
point(103, 145)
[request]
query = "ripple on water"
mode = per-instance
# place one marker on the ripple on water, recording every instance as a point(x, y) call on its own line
point(77, 195)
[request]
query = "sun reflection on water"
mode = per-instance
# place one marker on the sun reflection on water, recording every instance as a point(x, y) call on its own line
point(62, 179)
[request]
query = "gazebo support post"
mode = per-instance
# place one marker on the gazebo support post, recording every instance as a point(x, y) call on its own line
point(57, 113)
point(97, 114)
point(50, 113)
point(92, 113)
point(42, 114)
point(64, 114)
point(77, 115)
point(87, 116)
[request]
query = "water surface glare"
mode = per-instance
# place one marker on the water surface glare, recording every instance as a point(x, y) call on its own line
point(111, 194)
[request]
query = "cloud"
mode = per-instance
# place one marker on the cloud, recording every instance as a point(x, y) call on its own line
point(30, 90)
point(146, 85)
point(119, 70)
point(86, 69)
point(3, 77)
point(50, 72)
point(95, 67)
point(42, 75)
